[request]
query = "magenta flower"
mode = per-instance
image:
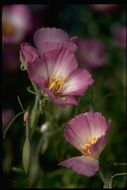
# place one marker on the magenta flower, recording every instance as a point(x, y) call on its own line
point(87, 132)
point(53, 66)
point(16, 22)
point(91, 53)
point(105, 7)
point(121, 36)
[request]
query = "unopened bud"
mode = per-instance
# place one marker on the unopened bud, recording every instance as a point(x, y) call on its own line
point(26, 115)
point(26, 155)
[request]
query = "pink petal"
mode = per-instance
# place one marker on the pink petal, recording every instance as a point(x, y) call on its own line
point(97, 123)
point(28, 53)
point(77, 131)
point(97, 148)
point(74, 39)
point(78, 82)
point(38, 80)
point(82, 165)
point(49, 35)
point(48, 39)
point(61, 101)
point(38, 68)
point(60, 63)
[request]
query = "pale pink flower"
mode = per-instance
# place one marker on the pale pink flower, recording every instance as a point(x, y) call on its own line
point(87, 132)
point(53, 66)
point(16, 22)
point(91, 53)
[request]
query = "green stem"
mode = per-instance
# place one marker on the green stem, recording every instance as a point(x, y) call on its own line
point(6, 129)
point(119, 174)
point(34, 115)
point(119, 164)
point(27, 130)
point(35, 88)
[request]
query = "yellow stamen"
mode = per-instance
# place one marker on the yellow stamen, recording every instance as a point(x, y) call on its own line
point(55, 84)
point(86, 146)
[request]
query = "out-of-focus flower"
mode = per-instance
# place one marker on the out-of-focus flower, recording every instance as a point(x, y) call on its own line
point(16, 22)
point(121, 36)
point(53, 66)
point(7, 115)
point(105, 7)
point(44, 127)
point(91, 53)
point(87, 132)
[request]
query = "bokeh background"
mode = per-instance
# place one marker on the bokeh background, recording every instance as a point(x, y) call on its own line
point(102, 50)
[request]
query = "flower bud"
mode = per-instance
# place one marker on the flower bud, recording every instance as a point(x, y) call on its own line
point(26, 115)
point(26, 155)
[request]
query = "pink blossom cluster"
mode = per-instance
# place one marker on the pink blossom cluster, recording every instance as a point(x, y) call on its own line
point(53, 67)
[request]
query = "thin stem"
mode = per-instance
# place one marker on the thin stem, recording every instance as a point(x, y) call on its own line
point(6, 129)
point(34, 110)
point(119, 164)
point(119, 174)
point(20, 104)
point(39, 146)
point(27, 130)
point(35, 88)
point(31, 91)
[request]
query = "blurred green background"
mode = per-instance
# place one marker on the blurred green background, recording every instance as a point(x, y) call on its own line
point(107, 95)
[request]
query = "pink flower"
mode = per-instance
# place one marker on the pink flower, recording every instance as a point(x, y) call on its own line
point(16, 22)
point(91, 53)
point(53, 66)
point(105, 7)
point(121, 37)
point(87, 132)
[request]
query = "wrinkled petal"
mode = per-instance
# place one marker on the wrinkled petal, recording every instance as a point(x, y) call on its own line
point(48, 39)
point(60, 63)
point(49, 35)
point(97, 123)
point(82, 165)
point(38, 68)
point(78, 82)
point(97, 148)
point(77, 131)
point(28, 53)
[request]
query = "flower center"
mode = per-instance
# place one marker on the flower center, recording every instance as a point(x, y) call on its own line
point(86, 146)
point(8, 29)
point(56, 85)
